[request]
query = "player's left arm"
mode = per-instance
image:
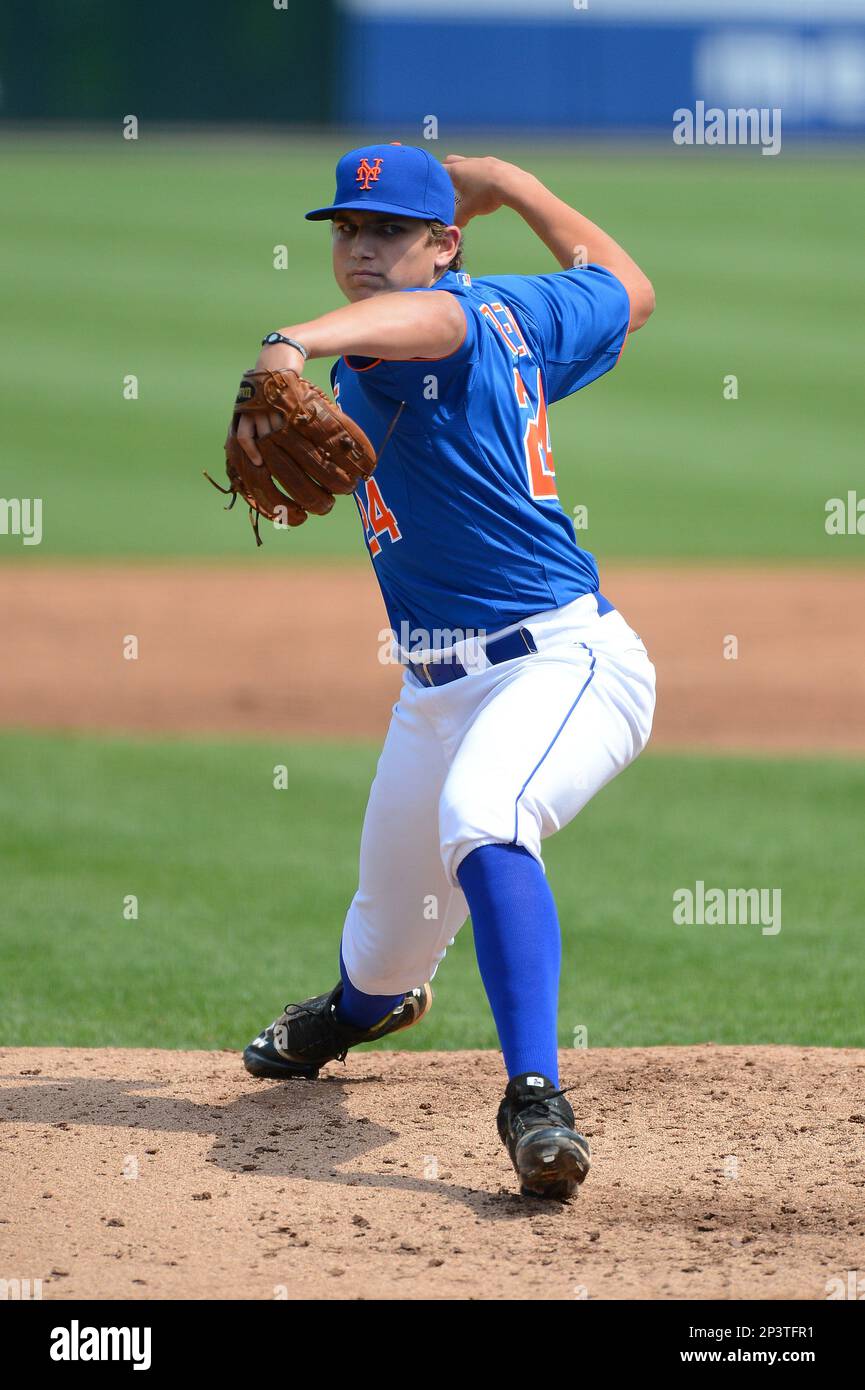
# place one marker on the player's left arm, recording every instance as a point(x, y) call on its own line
point(395, 327)
point(484, 185)
point(392, 327)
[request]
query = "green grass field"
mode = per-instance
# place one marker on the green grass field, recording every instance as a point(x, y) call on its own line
point(155, 258)
point(242, 891)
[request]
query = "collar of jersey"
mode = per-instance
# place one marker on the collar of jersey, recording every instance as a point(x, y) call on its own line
point(451, 280)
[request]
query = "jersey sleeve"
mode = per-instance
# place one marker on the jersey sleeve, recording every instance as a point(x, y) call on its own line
point(402, 380)
point(578, 320)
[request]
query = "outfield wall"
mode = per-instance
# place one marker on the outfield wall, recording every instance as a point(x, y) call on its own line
point(386, 65)
point(601, 64)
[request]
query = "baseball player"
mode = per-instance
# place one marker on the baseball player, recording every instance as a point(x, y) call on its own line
point(524, 689)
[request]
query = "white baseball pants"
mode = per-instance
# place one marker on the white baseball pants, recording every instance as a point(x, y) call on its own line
point(506, 754)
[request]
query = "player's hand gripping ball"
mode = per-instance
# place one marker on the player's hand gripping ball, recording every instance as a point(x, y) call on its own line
point(311, 454)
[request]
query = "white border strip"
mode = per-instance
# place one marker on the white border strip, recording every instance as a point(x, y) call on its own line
point(612, 11)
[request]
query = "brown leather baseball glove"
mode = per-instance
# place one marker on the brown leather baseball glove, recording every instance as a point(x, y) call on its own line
point(317, 452)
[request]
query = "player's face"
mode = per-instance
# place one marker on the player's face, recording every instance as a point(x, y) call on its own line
point(374, 252)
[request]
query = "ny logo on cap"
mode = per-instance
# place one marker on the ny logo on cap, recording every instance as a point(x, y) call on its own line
point(368, 173)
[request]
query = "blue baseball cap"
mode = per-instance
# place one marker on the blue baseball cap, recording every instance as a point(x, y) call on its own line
point(396, 178)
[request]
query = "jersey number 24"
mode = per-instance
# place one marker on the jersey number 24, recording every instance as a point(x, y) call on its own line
point(377, 517)
point(536, 438)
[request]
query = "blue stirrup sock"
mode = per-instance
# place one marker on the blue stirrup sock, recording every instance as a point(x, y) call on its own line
point(358, 1009)
point(519, 951)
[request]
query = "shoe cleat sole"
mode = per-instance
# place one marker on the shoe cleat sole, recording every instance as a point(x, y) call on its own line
point(551, 1164)
point(275, 1070)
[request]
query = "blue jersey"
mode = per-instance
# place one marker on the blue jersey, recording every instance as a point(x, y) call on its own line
point(462, 518)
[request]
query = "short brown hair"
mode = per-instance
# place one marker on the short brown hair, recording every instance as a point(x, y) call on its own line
point(436, 232)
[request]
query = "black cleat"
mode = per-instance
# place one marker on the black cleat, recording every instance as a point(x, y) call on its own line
point(307, 1035)
point(536, 1125)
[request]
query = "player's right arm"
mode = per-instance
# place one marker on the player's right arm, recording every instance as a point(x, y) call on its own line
point(484, 185)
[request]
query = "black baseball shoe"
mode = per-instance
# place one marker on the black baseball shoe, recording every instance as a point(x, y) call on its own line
point(536, 1125)
point(308, 1035)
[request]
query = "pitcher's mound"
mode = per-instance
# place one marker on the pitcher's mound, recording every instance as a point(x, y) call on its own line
point(719, 1172)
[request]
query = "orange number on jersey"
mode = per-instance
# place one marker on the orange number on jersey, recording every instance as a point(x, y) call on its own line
point(536, 441)
point(379, 518)
point(501, 318)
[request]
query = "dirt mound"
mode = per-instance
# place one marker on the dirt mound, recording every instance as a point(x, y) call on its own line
point(295, 651)
point(719, 1172)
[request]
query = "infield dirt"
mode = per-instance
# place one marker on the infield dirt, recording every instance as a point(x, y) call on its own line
point(746, 659)
point(719, 1172)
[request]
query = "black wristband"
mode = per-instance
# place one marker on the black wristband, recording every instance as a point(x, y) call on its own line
point(281, 338)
